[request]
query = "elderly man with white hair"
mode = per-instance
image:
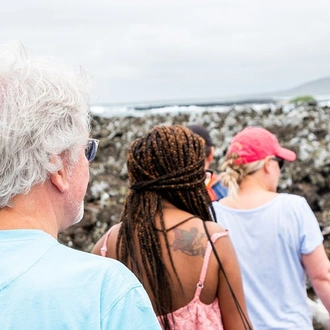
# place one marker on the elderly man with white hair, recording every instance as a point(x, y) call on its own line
point(45, 151)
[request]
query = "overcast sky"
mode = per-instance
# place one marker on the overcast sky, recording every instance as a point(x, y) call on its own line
point(139, 50)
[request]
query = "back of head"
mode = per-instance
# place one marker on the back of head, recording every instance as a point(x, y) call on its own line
point(168, 161)
point(247, 153)
point(203, 133)
point(44, 112)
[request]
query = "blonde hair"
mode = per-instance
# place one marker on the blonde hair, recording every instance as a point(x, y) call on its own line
point(233, 174)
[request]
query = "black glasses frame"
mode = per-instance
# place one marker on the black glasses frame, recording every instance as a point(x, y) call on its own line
point(280, 161)
point(91, 149)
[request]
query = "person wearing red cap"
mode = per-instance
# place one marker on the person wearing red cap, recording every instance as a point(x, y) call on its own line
point(276, 236)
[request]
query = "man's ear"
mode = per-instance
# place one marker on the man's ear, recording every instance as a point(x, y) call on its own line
point(209, 158)
point(59, 179)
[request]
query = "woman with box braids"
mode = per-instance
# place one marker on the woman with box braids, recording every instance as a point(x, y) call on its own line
point(162, 237)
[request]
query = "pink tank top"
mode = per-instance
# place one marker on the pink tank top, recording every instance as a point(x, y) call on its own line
point(195, 315)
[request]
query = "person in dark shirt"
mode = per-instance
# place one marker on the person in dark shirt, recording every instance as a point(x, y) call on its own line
point(214, 187)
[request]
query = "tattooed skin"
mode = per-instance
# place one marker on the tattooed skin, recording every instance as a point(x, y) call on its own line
point(188, 242)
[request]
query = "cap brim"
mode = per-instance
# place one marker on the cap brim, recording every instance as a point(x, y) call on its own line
point(286, 154)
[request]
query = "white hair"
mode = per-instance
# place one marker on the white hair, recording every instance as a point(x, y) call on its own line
point(44, 112)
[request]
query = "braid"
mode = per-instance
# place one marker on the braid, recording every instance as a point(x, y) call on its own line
point(233, 174)
point(167, 163)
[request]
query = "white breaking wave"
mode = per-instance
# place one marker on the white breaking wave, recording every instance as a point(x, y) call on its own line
point(115, 111)
point(139, 110)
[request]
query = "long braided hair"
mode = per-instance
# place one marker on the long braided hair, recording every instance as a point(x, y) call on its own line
point(167, 162)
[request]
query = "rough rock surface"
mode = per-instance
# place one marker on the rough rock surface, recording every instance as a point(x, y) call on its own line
point(304, 129)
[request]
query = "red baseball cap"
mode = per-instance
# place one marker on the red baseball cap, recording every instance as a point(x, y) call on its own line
point(256, 143)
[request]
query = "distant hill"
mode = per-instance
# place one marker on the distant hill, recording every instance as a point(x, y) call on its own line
point(314, 87)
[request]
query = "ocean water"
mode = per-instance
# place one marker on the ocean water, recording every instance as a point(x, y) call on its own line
point(140, 110)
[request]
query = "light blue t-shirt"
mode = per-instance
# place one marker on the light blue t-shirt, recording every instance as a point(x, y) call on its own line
point(269, 242)
point(46, 285)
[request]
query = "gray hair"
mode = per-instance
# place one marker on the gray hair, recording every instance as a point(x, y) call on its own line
point(233, 174)
point(44, 113)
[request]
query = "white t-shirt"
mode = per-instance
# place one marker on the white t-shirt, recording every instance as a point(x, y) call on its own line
point(269, 242)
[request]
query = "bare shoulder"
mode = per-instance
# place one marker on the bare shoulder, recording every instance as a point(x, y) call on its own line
point(214, 227)
point(113, 231)
point(115, 228)
point(223, 244)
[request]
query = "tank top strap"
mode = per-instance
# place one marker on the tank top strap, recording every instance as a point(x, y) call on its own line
point(207, 255)
point(104, 248)
point(178, 224)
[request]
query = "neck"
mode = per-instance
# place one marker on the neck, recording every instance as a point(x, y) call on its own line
point(31, 211)
point(11, 220)
point(249, 184)
point(167, 205)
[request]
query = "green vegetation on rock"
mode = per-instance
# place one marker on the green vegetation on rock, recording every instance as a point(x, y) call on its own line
point(305, 99)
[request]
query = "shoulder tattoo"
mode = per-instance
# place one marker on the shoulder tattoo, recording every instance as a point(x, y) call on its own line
point(189, 242)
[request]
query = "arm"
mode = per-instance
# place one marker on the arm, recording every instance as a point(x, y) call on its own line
point(317, 268)
point(230, 314)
